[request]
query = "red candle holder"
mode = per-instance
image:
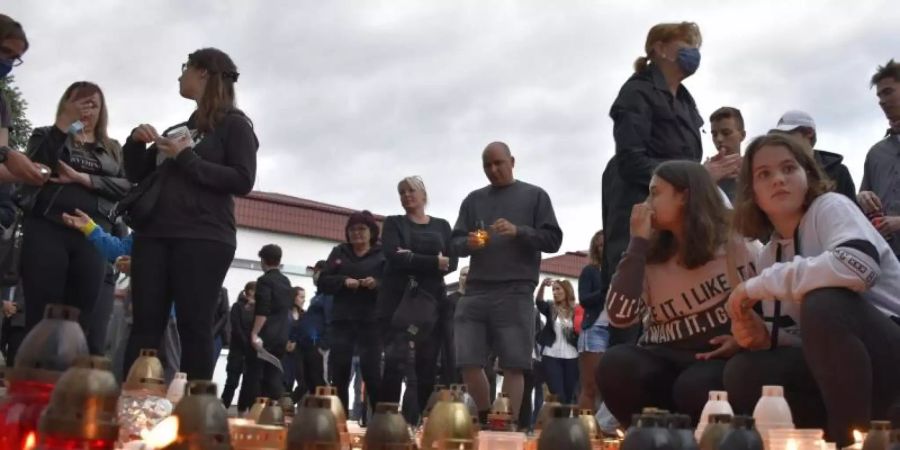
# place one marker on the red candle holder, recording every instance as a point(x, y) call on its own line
point(20, 412)
point(82, 410)
point(49, 349)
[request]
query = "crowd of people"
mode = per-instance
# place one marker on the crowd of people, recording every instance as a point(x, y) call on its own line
point(757, 266)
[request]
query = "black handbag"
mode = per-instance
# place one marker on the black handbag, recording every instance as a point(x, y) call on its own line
point(417, 312)
point(136, 208)
point(11, 252)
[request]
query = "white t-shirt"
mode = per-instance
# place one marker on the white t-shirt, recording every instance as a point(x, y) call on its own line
point(561, 347)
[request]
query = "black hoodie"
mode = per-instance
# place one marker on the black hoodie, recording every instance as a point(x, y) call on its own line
point(342, 263)
point(198, 189)
point(832, 165)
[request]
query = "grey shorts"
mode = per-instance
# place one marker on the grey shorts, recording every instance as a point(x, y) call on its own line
point(499, 318)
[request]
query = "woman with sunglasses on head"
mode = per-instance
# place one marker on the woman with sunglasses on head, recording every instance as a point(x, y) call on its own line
point(17, 166)
point(680, 265)
point(415, 245)
point(184, 246)
point(58, 264)
point(829, 292)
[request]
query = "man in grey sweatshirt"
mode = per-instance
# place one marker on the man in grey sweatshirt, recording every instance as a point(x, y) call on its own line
point(504, 227)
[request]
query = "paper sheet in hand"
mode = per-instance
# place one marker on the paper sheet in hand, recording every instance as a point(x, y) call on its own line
point(264, 355)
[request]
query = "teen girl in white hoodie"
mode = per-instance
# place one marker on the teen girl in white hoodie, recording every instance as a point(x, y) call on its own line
point(828, 290)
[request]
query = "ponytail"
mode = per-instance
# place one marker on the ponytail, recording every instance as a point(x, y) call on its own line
point(641, 63)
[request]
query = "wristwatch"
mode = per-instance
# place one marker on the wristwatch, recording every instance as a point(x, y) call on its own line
point(4, 153)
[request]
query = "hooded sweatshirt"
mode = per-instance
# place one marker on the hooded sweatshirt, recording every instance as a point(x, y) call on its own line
point(835, 246)
point(682, 308)
point(832, 164)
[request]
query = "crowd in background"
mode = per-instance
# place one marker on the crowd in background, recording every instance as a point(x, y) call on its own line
point(759, 266)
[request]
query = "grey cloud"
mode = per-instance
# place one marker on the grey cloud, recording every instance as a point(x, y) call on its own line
point(348, 97)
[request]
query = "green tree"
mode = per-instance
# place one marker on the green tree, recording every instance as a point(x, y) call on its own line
point(20, 127)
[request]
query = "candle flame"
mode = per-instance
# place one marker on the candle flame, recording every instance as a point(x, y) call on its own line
point(857, 436)
point(30, 441)
point(620, 433)
point(163, 434)
point(791, 445)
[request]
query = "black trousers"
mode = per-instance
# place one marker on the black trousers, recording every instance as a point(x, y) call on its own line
point(398, 359)
point(449, 374)
point(262, 379)
point(293, 371)
point(188, 272)
point(313, 369)
point(850, 354)
point(346, 336)
point(234, 368)
point(632, 377)
point(98, 325)
point(10, 339)
point(59, 266)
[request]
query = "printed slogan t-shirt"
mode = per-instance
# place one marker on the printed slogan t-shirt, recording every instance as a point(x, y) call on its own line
point(681, 308)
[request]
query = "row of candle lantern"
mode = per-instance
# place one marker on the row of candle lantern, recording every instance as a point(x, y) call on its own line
point(84, 408)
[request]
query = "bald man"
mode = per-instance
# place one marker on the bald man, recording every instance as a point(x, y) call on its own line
point(497, 309)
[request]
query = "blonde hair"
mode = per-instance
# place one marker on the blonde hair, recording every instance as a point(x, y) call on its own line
point(414, 182)
point(665, 33)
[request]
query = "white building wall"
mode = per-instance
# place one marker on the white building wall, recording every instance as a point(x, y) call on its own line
point(298, 253)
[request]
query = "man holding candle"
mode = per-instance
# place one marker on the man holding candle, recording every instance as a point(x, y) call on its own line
point(519, 222)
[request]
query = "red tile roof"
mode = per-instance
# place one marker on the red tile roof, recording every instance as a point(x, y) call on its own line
point(568, 264)
point(281, 213)
point(291, 215)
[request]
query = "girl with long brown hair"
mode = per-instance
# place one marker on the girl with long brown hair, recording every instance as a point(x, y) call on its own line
point(58, 264)
point(821, 318)
point(185, 244)
point(558, 340)
point(675, 278)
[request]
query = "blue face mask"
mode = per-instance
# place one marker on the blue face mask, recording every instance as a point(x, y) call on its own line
point(5, 67)
point(688, 60)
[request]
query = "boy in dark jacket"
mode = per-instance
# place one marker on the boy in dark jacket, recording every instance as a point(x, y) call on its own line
point(274, 297)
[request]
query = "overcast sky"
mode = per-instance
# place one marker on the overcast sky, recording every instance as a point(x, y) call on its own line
point(349, 97)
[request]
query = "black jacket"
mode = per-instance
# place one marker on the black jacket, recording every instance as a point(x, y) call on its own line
point(342, 263)
point(241, 324)
point(591, 294)
point(274, 297)
point(49, 146)
point(650, 126)
point(832, 164)
point(196, 200)
point(547, 336)
point(424, 242)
